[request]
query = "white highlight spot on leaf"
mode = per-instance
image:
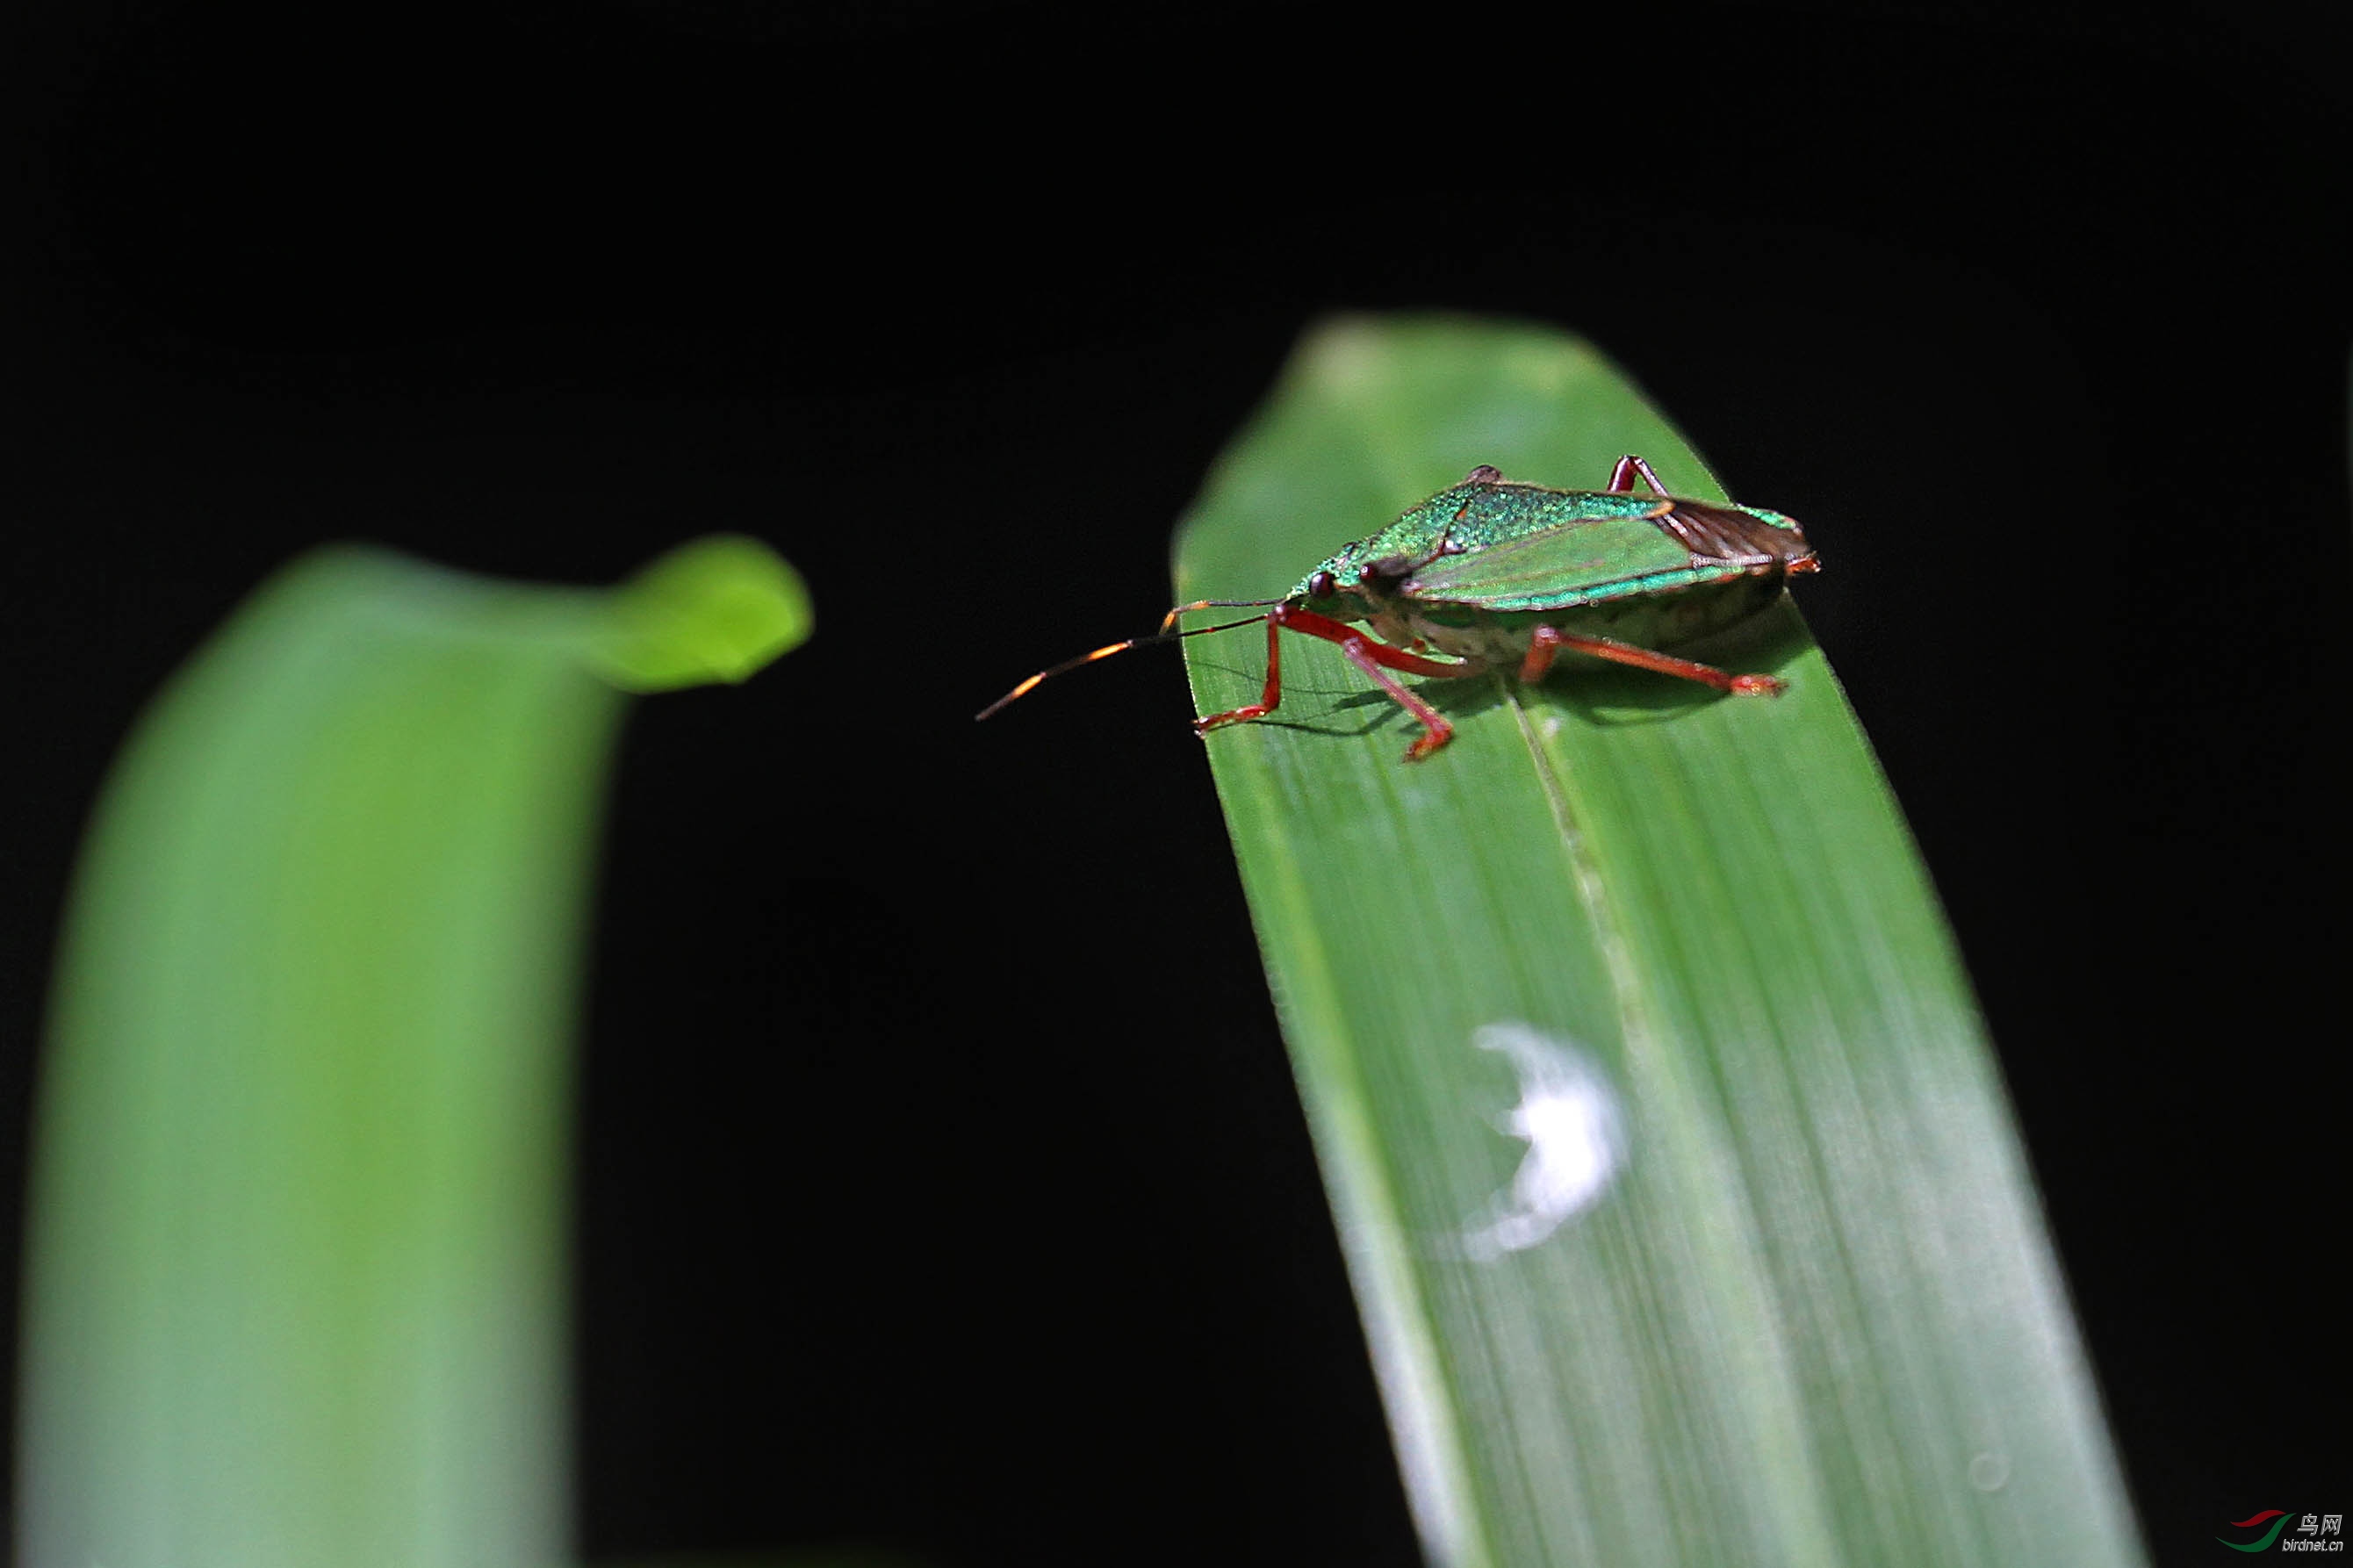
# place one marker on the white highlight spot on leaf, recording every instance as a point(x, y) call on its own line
point(1568, 1115)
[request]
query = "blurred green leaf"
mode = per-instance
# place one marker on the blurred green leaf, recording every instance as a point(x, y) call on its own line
point(846, 1557)
point(716, 609)
point(1674, 1173)
point(297, 1257)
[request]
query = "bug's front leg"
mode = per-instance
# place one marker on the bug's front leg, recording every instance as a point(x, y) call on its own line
point(1270, 698)
point(1375, 659)
point(1547, 641)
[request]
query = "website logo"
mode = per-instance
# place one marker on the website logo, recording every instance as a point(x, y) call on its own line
point(2312, 1532)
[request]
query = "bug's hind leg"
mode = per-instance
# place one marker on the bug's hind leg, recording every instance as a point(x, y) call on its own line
point(1547, 642)
point(1621, 477)
point(1375, 659)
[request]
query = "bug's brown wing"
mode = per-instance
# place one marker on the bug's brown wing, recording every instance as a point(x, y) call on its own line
point(1729, 534)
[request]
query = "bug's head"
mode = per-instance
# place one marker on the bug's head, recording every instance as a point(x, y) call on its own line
point(1322, 590)
point(1380, 581)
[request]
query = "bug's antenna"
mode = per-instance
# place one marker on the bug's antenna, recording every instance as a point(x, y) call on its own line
point(1170, 618)
point(1163, 634)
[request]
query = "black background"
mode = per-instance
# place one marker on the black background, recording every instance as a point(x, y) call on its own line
point(905, 1217)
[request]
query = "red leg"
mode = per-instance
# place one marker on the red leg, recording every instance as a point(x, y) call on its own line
point(1367, 654)
point(1268, 698)
point(1621, 477)
point(1550, 641)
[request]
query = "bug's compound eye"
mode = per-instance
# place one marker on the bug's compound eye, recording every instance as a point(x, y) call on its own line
point(1321, 585)
point(1485, 474)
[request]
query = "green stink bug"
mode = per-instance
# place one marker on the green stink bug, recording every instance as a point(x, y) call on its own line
point(1492, 570)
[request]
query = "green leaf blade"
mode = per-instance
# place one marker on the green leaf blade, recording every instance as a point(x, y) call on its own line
point(296, 1264)
point(1809, 1313)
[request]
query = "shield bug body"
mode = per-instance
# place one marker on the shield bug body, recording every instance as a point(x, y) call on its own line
point(1498, 574)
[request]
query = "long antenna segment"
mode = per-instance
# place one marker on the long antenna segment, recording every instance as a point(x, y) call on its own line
point(1163, 634)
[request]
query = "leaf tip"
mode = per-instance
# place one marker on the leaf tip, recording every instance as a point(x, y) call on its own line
point(716, 609)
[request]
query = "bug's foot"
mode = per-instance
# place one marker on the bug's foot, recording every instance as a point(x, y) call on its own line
point(1757, 686)
point(1426, 744)
point(1208, 721)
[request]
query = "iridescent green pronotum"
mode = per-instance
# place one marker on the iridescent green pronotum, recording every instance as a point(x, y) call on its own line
point(1492, 570)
